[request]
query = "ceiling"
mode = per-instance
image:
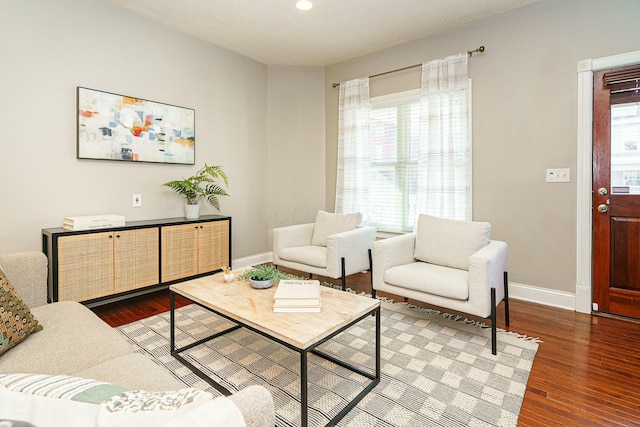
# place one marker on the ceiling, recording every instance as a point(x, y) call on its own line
point(274, 32)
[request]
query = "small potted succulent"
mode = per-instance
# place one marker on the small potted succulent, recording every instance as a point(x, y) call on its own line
point(263, 276)
point(204, 184)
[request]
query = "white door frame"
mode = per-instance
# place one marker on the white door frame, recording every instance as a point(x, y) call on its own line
point(586, 69)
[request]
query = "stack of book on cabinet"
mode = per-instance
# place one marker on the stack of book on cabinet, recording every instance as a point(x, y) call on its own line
point(297, 296)
point(92, 222)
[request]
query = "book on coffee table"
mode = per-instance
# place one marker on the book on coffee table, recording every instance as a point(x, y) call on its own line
point(305, 309)
point(297, 296)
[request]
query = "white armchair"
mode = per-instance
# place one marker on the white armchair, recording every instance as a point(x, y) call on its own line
point(448, 263)
point(334, 246)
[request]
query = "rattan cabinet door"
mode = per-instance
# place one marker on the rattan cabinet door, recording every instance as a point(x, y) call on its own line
point(213, 246)
point(85, 266)
point(179, 251)
point(136, 259)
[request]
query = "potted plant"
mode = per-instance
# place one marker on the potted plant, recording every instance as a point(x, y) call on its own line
point(204, 184)
point(263, 276)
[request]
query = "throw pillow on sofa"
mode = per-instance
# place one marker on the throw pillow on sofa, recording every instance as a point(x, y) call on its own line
point(61, 387)
point(65, 401)
point(16, 320)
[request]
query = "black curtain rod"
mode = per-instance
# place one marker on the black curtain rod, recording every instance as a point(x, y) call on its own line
point(469, 52)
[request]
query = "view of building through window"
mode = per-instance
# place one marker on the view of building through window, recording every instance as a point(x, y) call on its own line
point(625, 148)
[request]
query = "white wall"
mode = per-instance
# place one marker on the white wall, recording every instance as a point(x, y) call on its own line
point(50, 47)
point(296, 172)
point(524, 119)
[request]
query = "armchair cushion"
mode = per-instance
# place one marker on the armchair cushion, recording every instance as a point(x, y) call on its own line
point(308, 255)
point(431, 279)
point(449, 242)
point(332, 223)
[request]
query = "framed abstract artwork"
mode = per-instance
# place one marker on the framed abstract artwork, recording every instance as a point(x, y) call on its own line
point(124, 128)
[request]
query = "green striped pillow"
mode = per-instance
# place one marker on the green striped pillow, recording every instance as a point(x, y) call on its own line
point(61, 387)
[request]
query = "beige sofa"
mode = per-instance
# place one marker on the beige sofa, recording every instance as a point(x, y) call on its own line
point(75, 342)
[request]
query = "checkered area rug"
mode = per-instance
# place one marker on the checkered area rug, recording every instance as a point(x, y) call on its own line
point(436, 371)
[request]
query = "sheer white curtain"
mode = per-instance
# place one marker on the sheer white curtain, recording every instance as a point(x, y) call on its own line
point(444, 154)
point(352, 182)
point(443, 186)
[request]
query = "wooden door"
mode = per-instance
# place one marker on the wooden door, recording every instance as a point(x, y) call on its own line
point(179, 251)
point(616, 192)
point(213, 246)
point(136, 259)
point(85, 266)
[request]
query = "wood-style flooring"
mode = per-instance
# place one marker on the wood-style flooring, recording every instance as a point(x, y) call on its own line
point(586, 371)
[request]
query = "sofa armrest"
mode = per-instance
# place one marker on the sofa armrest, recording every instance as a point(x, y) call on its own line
point(27, 272)
point(486, 269)
point(353, 246)
point(291, 236)
point(256, 404)
point(391, 252)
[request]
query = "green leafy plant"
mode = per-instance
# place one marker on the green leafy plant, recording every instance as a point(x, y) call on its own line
point(204, 184)
point(264, 272)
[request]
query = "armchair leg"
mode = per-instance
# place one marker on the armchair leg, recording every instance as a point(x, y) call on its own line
point(344, 279)
point(494, 340)
point(506, 298)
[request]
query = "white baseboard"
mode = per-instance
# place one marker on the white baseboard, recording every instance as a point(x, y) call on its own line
point(252, 260)
point(550, 297)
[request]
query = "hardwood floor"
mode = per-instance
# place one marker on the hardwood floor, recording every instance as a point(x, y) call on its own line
point(586, 371)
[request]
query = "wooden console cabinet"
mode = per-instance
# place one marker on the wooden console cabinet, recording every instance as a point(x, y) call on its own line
point(96, 266)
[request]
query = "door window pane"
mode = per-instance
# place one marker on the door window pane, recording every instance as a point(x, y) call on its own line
point(625, 148)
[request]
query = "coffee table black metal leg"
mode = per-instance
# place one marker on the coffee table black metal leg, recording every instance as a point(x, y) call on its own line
point(172, 321)
point(304, 414)
point(378, 352)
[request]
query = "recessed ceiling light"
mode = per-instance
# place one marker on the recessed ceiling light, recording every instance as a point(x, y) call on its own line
point(304, 4)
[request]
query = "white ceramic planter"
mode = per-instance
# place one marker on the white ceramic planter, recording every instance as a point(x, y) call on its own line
point(192, 211)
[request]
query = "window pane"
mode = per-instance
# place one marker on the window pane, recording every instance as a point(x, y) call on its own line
point(412, 198)
point(385, 206)
point(414, 132)
point(625, 148)
point(383, 135)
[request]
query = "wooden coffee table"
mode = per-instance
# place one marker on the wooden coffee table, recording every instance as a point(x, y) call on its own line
point(302, 332)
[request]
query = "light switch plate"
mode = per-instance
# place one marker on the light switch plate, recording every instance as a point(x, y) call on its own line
point(559, 175)
point(137, 200)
